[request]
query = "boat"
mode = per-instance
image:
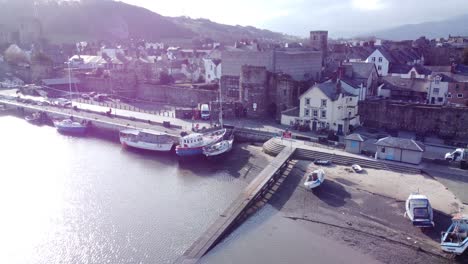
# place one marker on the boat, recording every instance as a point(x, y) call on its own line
point(146, 139)
point(419, 210)
point(219, 148)
point(34, 118)
point(314, 179)
point(455, 240)
point(193, 144)
point(357, 168)
point(68, 126)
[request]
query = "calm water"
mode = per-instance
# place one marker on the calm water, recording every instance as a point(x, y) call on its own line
point(85, 200)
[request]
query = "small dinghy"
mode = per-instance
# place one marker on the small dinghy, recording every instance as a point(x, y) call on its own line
point(455, 240)
point(219, 148)
point(419, 210)
point(34, 118)
point(357, 168)
point(314, 179)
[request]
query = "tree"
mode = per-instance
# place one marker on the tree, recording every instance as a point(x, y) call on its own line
point(465, 56)
point(16, 55)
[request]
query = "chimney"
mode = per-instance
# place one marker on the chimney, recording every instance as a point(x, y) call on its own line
point(338, 87)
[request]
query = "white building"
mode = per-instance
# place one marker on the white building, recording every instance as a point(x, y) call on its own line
point(326, 106)
point(381, 60)
point(212, 70)
point(438, 89)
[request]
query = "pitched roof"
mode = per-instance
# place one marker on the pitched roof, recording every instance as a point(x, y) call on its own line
point(361, 69)
point(397, 83)
point(59, 81)
point(401, 143)
point(355, 137)
point(329, 88)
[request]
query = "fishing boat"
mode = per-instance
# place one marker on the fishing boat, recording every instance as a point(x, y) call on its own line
point(419, 210)
point(146, 139)
point(455, 240)
point(69, 126)
point(193, 144)
point(34, 118)
point(219, 148)
point(314, 179)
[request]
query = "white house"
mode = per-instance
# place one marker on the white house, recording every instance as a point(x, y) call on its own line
point(438, 89)
point(212, 70)
point(359, 79)
point(382, 60)
point(328, 106)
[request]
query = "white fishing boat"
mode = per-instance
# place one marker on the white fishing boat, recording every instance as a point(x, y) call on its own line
point(193, 144)
point(314, 179)
point(219, 148)
point(146, 139)
point(419, 210)
point(455, 240)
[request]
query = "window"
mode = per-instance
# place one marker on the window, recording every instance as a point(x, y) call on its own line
point(373, 59)
point(457, 87)
point(380, 59)
point(307, 112)
point(460, 95)
point(324, 103)
point(315, 113)
point(440, 99)
point(350, 99)
point(437, 80)
point(436, 90)
point(379, 67)
point(449, 95)
point(383, 150)
point(307, 101)
point(323, 114)
point(349, 114)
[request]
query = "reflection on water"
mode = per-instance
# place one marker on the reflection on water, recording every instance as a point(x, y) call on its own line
point(85, 200)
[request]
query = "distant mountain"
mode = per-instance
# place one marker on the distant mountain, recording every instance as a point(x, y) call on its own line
point(209, 29)
point(70, 21)
point(436, 29)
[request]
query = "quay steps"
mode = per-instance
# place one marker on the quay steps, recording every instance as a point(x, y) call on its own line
point(274, 147)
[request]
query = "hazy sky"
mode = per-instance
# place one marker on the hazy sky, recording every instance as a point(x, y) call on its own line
point(298, 17)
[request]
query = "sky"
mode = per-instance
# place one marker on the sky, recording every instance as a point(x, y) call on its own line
point(342, 18)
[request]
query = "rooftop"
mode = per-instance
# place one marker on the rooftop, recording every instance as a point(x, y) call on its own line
point(401, 143)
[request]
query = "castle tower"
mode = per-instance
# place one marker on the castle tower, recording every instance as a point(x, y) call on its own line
point(319, 41)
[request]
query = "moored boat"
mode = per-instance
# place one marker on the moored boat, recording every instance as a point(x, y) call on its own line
point(69, 126)
point(34, 118)
point(419, 210)
point(219, 148)
point(314, 179)
point(146, 139)
point(193, 144)
point(455, 240)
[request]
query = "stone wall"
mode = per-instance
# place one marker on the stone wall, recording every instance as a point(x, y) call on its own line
point(429, 120)
point(174, 95)
point(123, 83)
point(234, 60)
point(254, 90)
point(300, 65)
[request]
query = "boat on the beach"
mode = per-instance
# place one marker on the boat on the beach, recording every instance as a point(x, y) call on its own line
point(219, 148)
point(455, 240)
point(419, 210)
point(314, 179)
point(34, 118)
point(69, 126)
point(357, 168)
point(146, 139)
point(193, 144)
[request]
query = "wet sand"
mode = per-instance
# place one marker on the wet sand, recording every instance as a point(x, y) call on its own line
point(337, 223)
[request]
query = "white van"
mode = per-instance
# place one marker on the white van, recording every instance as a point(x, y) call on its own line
point(205, 111)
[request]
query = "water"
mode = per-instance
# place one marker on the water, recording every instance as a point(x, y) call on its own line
point(86, 200)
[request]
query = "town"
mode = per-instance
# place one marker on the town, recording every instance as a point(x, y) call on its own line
point(385, 122)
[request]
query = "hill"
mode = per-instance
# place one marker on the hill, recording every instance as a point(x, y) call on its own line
point(70, 21)
point(435, 29)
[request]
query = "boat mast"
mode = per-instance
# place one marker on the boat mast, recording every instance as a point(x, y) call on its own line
point(220, 105)
point(70, 85)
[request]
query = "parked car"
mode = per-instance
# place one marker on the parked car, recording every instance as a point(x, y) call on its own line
point(323, 162)
point(205, 111)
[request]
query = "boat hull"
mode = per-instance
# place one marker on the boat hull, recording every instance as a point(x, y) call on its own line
point(455, 248)
point(163, 147)
point(189, 152)
point(71, 130)
point(213, 153)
